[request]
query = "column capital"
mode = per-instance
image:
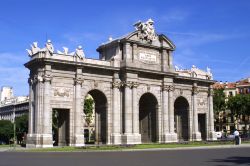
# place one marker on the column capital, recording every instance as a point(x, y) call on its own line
point(31, 81)
point(78, 81)
point(210, 91)
point(47, 78)
point(130, 84)
point(135, 84)
point(127, 84)
point(195, 90)
point(116, 84)
point(37, 78)
point(168, 88)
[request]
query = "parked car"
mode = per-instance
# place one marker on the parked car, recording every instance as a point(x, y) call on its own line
point(218, 134)
point(231, 136)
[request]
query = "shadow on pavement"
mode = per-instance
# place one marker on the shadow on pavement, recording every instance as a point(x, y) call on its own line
point(234, 160)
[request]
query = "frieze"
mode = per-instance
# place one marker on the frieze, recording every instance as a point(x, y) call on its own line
point(201, 102)
point(61, 92)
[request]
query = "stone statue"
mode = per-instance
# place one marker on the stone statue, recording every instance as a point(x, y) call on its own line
point(147, 30)
point(210, 75)
point(176, 68)
point(208, 70)
point(79, 52)
point(49, 46)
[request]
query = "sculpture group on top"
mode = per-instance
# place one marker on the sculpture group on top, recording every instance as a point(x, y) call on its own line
point(50, 49)
point(195, 72)
point(146, 30)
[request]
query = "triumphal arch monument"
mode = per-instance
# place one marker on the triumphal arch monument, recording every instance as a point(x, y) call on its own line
point(139, 96)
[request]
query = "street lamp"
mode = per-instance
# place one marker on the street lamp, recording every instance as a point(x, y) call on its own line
point(14, 126)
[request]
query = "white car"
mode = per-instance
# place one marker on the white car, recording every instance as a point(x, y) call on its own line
point(218, 134)
point(231, 136)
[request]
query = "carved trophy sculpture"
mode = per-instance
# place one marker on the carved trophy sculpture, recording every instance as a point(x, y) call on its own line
point(34, 49)
point(79, 52)
point(146, 30)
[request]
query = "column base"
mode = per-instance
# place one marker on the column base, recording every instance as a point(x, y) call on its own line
point(212, 136)
point(131, 138)
point(169, 137)
point(116, 139)
point(78, 141)
point(196, 136)
point(39, 141)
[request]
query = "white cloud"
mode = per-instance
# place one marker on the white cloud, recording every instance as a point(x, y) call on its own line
point(175, 15)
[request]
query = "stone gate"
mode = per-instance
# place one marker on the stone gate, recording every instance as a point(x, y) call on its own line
point(139, 96)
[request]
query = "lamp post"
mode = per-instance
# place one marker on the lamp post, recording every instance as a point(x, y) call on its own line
point(14, 126)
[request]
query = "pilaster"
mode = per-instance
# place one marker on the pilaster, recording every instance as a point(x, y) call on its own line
point(196, 135)
point(173, 135)
point(164, 60)
point(136, 133)
point(78, 133)
point(211, 133)
point(116, 121)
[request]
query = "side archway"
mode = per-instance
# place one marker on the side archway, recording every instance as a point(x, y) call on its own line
point(148, 107)
point(181, 111)
point(99, 124)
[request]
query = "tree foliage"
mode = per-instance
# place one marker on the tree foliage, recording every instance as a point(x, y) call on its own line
point(22, 124)
point(219, 100)
point(6, 131)
point(88, 110)
point(239, 105)
point(219, 105)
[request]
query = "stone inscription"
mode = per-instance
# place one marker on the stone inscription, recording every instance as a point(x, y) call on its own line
point(147, 57)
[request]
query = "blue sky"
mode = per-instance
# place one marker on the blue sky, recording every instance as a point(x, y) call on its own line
point(214, 33)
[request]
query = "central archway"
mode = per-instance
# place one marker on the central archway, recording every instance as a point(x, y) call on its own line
point(100, 117)
point(181, 109)
point(148, 106)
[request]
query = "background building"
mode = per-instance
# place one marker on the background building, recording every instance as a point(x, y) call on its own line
point(11, 106)
point(226, 121)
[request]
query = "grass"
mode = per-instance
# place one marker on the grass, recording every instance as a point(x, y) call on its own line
point(4, 146)
point(128, 147)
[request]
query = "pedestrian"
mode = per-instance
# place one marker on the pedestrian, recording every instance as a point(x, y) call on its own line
point(237, 137)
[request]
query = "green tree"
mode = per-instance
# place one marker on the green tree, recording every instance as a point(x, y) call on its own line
point(219, 105)
point(22, 123)
point(88, 111)
point(6, 131)
point(239, 106)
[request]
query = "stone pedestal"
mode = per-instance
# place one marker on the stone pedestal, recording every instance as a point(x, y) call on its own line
point(116, 139)
point(39, 141)
point(169, 137)
point(79, 140)
point(131, 139)
point(212, 136)
point(196, 136)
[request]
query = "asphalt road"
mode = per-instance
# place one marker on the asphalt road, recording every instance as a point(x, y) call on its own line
point(195, 157)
